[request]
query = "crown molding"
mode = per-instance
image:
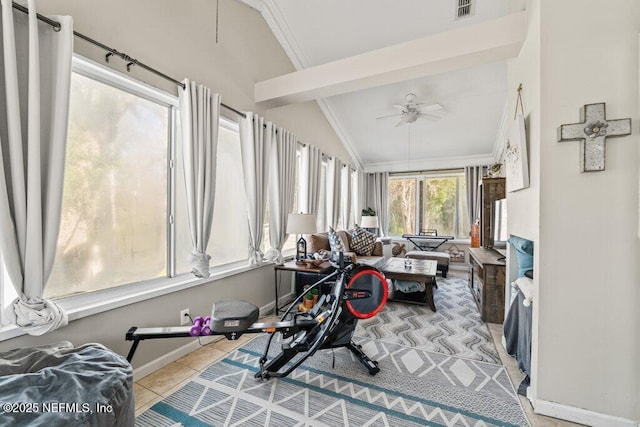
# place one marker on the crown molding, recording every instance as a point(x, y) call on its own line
point(428, 164)
point(276, 22)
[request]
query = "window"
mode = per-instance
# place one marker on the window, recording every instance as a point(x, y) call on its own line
point(429, 202)
point(402, 206)
point(124, 210)
point(114, 210)
point(229, 240)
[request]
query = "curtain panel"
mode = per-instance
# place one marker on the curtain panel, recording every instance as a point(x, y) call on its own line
point(334, 185)
point(360, 195)
point(377, 191)
point(36, 78)
point(256, 138)
point(345, 177)
point(282, 185)
point(200, 116)
point(309, 195)
point(473, 178)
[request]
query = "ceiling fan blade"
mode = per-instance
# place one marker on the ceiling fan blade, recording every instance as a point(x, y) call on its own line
point(400, 107)
point(430, 117)
point(431, 107)
point(400, 123)
point(390, 115)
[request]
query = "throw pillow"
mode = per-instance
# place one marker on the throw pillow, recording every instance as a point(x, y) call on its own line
point(524, 253)
point(362, 242)
point(334, 241)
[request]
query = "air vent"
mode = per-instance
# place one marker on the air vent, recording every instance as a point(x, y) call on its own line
point(464, 9)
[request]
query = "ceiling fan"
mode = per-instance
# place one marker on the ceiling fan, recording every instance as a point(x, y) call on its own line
point(411, 111)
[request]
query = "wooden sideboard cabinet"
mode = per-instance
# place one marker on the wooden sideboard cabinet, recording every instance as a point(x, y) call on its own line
point(491, 189)
point(487, 278)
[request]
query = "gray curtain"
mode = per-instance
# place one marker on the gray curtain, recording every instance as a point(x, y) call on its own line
point(345, 175)
point(378, 198)
point(309, 194)
point(334, 185)
point(360, 195)
point(36, 76)
point(282, 184)
point(256, 137)
point(200, 115)
point(473, 177)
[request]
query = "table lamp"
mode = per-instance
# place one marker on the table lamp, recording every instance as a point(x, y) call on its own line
point(301, 224)
point(369, 222)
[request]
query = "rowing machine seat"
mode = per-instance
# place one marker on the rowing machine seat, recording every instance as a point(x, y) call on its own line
point(233, 316)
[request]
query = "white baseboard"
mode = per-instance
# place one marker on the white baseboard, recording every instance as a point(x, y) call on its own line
point(176, 354)
point(581, 416)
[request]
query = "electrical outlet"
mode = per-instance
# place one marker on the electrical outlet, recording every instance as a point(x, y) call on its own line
point(184, 317)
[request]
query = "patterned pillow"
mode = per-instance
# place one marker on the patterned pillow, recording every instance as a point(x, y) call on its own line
point(362, 242)
point(335, 242)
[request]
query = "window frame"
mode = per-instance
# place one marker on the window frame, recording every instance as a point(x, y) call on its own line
point(86, 304)
point(421, 181)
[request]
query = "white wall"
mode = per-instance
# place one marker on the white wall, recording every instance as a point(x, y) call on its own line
point(585, 225)
point(178, 38)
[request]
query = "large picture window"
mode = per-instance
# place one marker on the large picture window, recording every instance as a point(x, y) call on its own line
point(114, 211)
point(123, 212)
point(428, 202)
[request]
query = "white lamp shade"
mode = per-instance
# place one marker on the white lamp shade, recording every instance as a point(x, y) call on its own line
point(299, 223)
point(369, 222)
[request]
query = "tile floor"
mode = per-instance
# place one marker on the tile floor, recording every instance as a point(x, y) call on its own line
point(163, 382)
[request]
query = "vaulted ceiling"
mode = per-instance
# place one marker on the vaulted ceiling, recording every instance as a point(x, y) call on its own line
point(358, 58)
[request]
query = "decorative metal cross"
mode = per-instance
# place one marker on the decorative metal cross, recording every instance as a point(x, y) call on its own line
point(592, 133)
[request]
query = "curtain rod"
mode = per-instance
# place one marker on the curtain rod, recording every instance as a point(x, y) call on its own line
point(131, 61)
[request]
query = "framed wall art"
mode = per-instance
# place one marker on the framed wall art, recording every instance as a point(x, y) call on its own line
point(516, 156)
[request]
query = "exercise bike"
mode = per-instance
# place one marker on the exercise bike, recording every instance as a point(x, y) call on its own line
point(356, 292)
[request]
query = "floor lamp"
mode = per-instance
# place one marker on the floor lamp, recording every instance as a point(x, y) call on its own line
point(301, 224)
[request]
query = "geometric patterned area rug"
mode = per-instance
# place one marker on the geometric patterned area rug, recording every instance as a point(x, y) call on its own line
point(413, 388)
point(454, 329)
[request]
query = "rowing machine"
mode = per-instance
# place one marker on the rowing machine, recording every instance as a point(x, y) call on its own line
point(358, 292)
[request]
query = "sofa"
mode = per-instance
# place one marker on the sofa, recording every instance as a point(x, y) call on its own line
point(319, 242)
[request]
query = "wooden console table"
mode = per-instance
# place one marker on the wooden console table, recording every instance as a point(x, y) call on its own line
point(487, 279)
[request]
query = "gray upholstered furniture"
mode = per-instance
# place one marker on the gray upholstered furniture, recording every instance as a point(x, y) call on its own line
point(443, 259)
point(320, 242)
point(61, 384)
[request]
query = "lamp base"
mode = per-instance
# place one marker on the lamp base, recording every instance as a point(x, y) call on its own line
point(301, 250)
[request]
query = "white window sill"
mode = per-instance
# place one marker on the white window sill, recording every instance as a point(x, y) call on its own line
point(88, 304)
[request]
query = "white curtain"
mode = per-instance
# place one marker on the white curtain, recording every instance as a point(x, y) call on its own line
point(346, 196)
point(334, 185)
point(378, 198)
point(36, 74)
point(282, 184)
point(360, 195)
point(473, 177)
point(200, 115)
point(256, 137)
point(309, 193)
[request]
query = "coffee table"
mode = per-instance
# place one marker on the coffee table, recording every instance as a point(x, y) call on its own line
point(423, 271)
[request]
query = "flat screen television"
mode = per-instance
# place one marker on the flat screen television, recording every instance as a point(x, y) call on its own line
point(499, 225)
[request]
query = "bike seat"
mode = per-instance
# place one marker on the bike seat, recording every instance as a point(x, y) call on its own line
point(233, 316)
